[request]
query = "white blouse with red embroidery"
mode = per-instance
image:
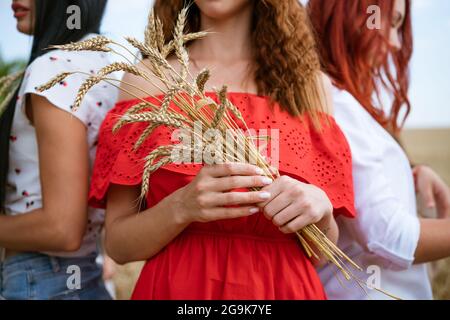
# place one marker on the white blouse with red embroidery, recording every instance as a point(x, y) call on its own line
point(23, 184)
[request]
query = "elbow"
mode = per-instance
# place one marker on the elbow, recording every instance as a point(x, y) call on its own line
point(69, 240)
point(72, 243)
point(119, 256)
point(121, 253)
point(67, 237)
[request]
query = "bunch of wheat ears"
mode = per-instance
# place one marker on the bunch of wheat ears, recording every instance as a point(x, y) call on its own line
point(187, 93)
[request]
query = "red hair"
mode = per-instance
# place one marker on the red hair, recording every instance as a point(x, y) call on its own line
point(358, 59)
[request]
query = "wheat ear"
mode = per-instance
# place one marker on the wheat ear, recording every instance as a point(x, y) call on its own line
point(97, 43)
point(54, 81)
point(85, 87)
point(150, 166)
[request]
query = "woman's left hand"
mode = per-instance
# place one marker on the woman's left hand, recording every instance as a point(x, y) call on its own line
point(294, 205)
point(433, 190)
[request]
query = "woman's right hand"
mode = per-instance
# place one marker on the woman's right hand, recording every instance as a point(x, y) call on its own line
point(209, 196)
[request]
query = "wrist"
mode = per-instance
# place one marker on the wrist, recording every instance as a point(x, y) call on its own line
point(176, 205)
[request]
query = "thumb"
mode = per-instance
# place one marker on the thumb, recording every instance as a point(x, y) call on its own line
point(429, 197)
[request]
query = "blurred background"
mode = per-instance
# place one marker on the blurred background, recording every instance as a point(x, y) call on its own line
point(427, 132)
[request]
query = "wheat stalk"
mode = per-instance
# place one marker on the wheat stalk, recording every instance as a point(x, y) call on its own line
point(149, 52)
point(150, 31)
point(147, 132)
point(97, 43)
point(9, 84)
point(121, 66)
point(180, 49)
point(170, 47)
point(201, 80)
point(150, 166)
point(220, 112)
point(54, 81)
point(85, 87)
point(154, 118)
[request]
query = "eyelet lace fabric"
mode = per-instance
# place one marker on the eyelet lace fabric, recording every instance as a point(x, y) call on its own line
point(245, 258)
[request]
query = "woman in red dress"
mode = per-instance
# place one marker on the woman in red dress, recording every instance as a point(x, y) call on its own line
point(203, 239)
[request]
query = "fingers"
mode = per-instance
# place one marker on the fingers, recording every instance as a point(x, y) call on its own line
point(276, 188)
point(232, 213)
point(428, 195)
point(295, 225)
point(427, 185)
point(232, 169)
point(442, 197)
point(238, 182)
point(286, 215)
point(295, 217)
point(424, 187)
point(233, 198)
point(275, 206)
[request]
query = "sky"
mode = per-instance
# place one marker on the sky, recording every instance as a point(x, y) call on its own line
point(430, 67)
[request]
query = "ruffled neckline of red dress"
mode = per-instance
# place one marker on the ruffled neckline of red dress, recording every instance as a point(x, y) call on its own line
point(321, 158)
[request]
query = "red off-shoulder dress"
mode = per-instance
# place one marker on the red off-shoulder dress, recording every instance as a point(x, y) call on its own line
point(245, 258)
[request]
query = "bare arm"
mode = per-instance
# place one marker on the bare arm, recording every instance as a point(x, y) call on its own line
point(132, 236)
point(64, 165)
point(434, 241)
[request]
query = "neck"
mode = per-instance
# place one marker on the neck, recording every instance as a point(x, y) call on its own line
point(229, 39)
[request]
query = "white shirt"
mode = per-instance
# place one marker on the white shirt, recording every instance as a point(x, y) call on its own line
point(23, 184)
point(384, 236)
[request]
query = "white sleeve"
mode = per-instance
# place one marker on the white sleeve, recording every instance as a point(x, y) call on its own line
point(382, 226)
point(63, 94)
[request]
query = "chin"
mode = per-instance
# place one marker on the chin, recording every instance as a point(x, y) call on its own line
point(24, 27)
point(221, 9)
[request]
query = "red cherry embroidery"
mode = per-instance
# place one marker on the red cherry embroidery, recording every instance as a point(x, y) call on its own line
point(63, 83)
point(29, 204)
point(25, 194)
point(13, 138)
point(99, 104)
point(18, 171)
point(53, 58)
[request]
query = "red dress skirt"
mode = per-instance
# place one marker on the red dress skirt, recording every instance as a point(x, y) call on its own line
point(245, 258)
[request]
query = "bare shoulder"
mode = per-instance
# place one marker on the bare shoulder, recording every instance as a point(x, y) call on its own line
point(327, 86)
point(133, 87)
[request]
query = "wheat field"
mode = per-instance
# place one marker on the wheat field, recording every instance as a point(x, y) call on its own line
point(431, 147)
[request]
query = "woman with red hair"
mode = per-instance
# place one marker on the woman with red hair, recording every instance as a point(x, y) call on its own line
point(366, 46)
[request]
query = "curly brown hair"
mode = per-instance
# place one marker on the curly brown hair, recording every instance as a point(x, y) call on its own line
point(286, 63)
